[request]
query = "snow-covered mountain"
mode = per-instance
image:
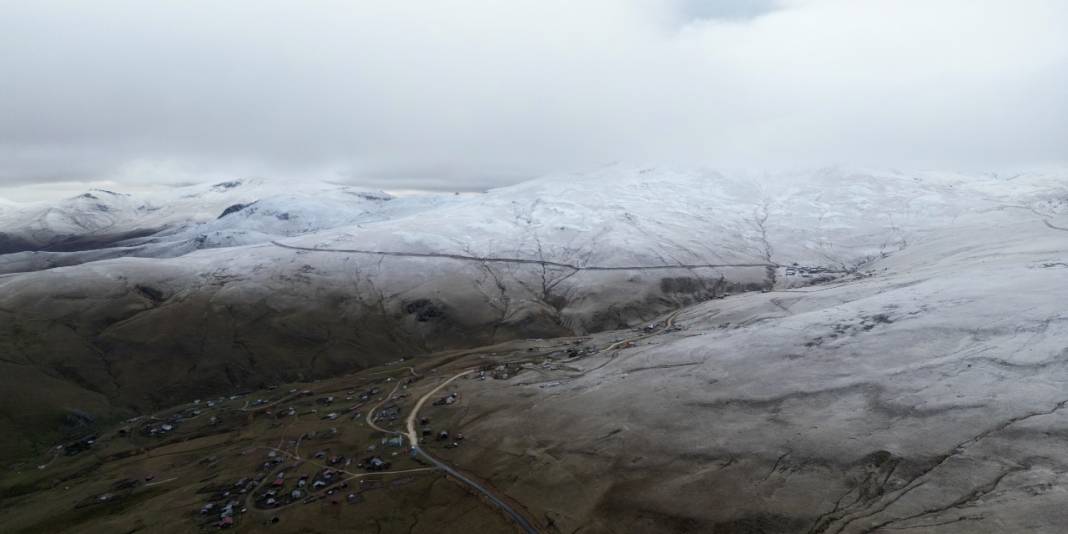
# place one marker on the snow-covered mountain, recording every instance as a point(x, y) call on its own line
point(104, 224)
point(929, 397)
point(621, 215)
point(101, 212)
point(635, 216)
point(225, 287)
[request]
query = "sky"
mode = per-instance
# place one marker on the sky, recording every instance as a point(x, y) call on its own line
point(467, 95)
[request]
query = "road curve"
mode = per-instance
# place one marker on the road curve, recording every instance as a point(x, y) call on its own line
point(413, 437)
point(491, 259)
point(371, 413)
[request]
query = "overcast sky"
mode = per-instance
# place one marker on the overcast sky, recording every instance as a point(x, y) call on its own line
point(464, 94)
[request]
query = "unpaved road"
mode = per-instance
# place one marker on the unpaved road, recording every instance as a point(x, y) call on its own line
point(413, 436)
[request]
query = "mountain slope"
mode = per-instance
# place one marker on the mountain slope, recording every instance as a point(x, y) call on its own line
point(928, 397)
point(562, 255)
point(102, 224)
point(925, 395)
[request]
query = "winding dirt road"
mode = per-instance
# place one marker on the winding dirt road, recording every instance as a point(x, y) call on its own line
point(413, 436)
point(411, 433)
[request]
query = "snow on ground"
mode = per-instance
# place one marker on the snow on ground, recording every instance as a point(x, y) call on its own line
point(618, 215)
point(102, 224)
point(209, 302)
point(636, 216)
point(929, 397)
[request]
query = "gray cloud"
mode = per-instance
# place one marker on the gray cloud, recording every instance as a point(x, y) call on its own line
point(464, 94)
point(726, 9)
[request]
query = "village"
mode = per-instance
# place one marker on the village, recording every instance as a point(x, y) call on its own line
point(290, 454)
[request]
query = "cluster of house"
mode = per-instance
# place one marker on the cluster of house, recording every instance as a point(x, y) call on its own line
point(576, 352)
point(454, 442)
point(374, 463)
point(442, 435)
point(225, 512)
point(156, 427)
point(447, 400)
point(81, 445)
point(327, 401)
point(807, 272)
point(505, 371)
point(388, 413)
point(282, 489)
point(159, 428)
point(279, 494)
point(225, 503)
point(332, 460)
point(393, 441)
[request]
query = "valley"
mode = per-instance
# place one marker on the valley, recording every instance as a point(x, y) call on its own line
point(912, 389)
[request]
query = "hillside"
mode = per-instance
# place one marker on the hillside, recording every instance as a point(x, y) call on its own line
point(562, 255)
point(104, 224)
point(922, 393)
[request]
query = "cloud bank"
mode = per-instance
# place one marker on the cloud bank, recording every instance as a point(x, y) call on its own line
point(466, 94)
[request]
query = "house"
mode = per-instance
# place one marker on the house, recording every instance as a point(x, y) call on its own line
point(376, 464)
